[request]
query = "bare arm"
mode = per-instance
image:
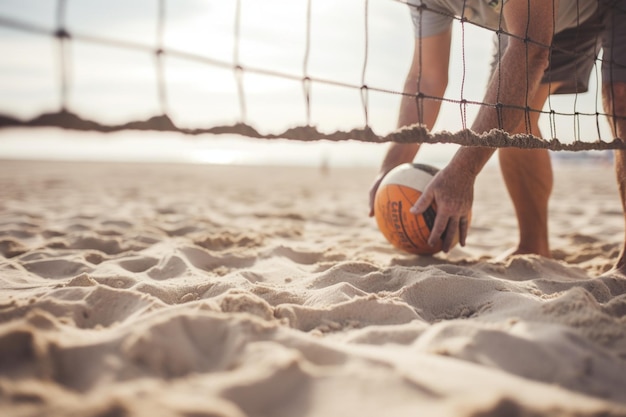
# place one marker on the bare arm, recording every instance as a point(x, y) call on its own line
point(517, 77)
point(515, 80)
point(428, 75)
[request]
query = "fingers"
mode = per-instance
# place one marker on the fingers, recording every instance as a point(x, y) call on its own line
point(422, 203)
point(448, 224)
point(439, 228)
point(463, 227)
point(449, 234)
point(441, 222)
point(446, 229)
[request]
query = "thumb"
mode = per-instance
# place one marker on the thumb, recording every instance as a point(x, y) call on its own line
point(423, 202)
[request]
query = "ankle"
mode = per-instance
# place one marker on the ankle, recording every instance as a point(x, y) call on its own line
point(540, 249)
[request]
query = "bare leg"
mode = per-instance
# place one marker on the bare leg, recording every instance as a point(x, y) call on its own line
point(614, 97)
point(528, 177)
point(620, 172)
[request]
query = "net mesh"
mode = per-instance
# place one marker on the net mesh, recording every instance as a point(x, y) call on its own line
point(584, 125)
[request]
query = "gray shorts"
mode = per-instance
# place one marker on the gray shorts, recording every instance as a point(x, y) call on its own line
point(574, 51)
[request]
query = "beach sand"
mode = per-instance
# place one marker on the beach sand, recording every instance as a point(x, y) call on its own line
point(197, 291)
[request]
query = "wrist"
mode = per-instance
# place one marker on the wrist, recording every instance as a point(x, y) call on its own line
point(471, 160)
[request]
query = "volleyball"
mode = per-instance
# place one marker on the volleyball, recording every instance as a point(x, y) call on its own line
point(397, 193)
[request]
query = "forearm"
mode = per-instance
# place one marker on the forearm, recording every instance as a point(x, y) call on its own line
point(430, 80)
point(469, 161)
point(514, 82)
point(410, 114)
point(398, 153)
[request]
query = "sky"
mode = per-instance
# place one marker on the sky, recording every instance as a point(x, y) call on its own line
point(114, 85)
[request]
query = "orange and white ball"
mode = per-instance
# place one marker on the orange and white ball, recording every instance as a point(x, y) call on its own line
point(397, 193)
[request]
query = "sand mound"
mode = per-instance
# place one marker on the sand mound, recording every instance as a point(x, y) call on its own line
point(223, 291)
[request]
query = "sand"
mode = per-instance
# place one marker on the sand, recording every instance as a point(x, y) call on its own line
point(188, 291)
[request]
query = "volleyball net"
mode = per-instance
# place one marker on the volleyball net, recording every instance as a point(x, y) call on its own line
point(319, 69)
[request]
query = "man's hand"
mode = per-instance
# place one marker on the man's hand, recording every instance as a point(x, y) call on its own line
point(452, 192)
